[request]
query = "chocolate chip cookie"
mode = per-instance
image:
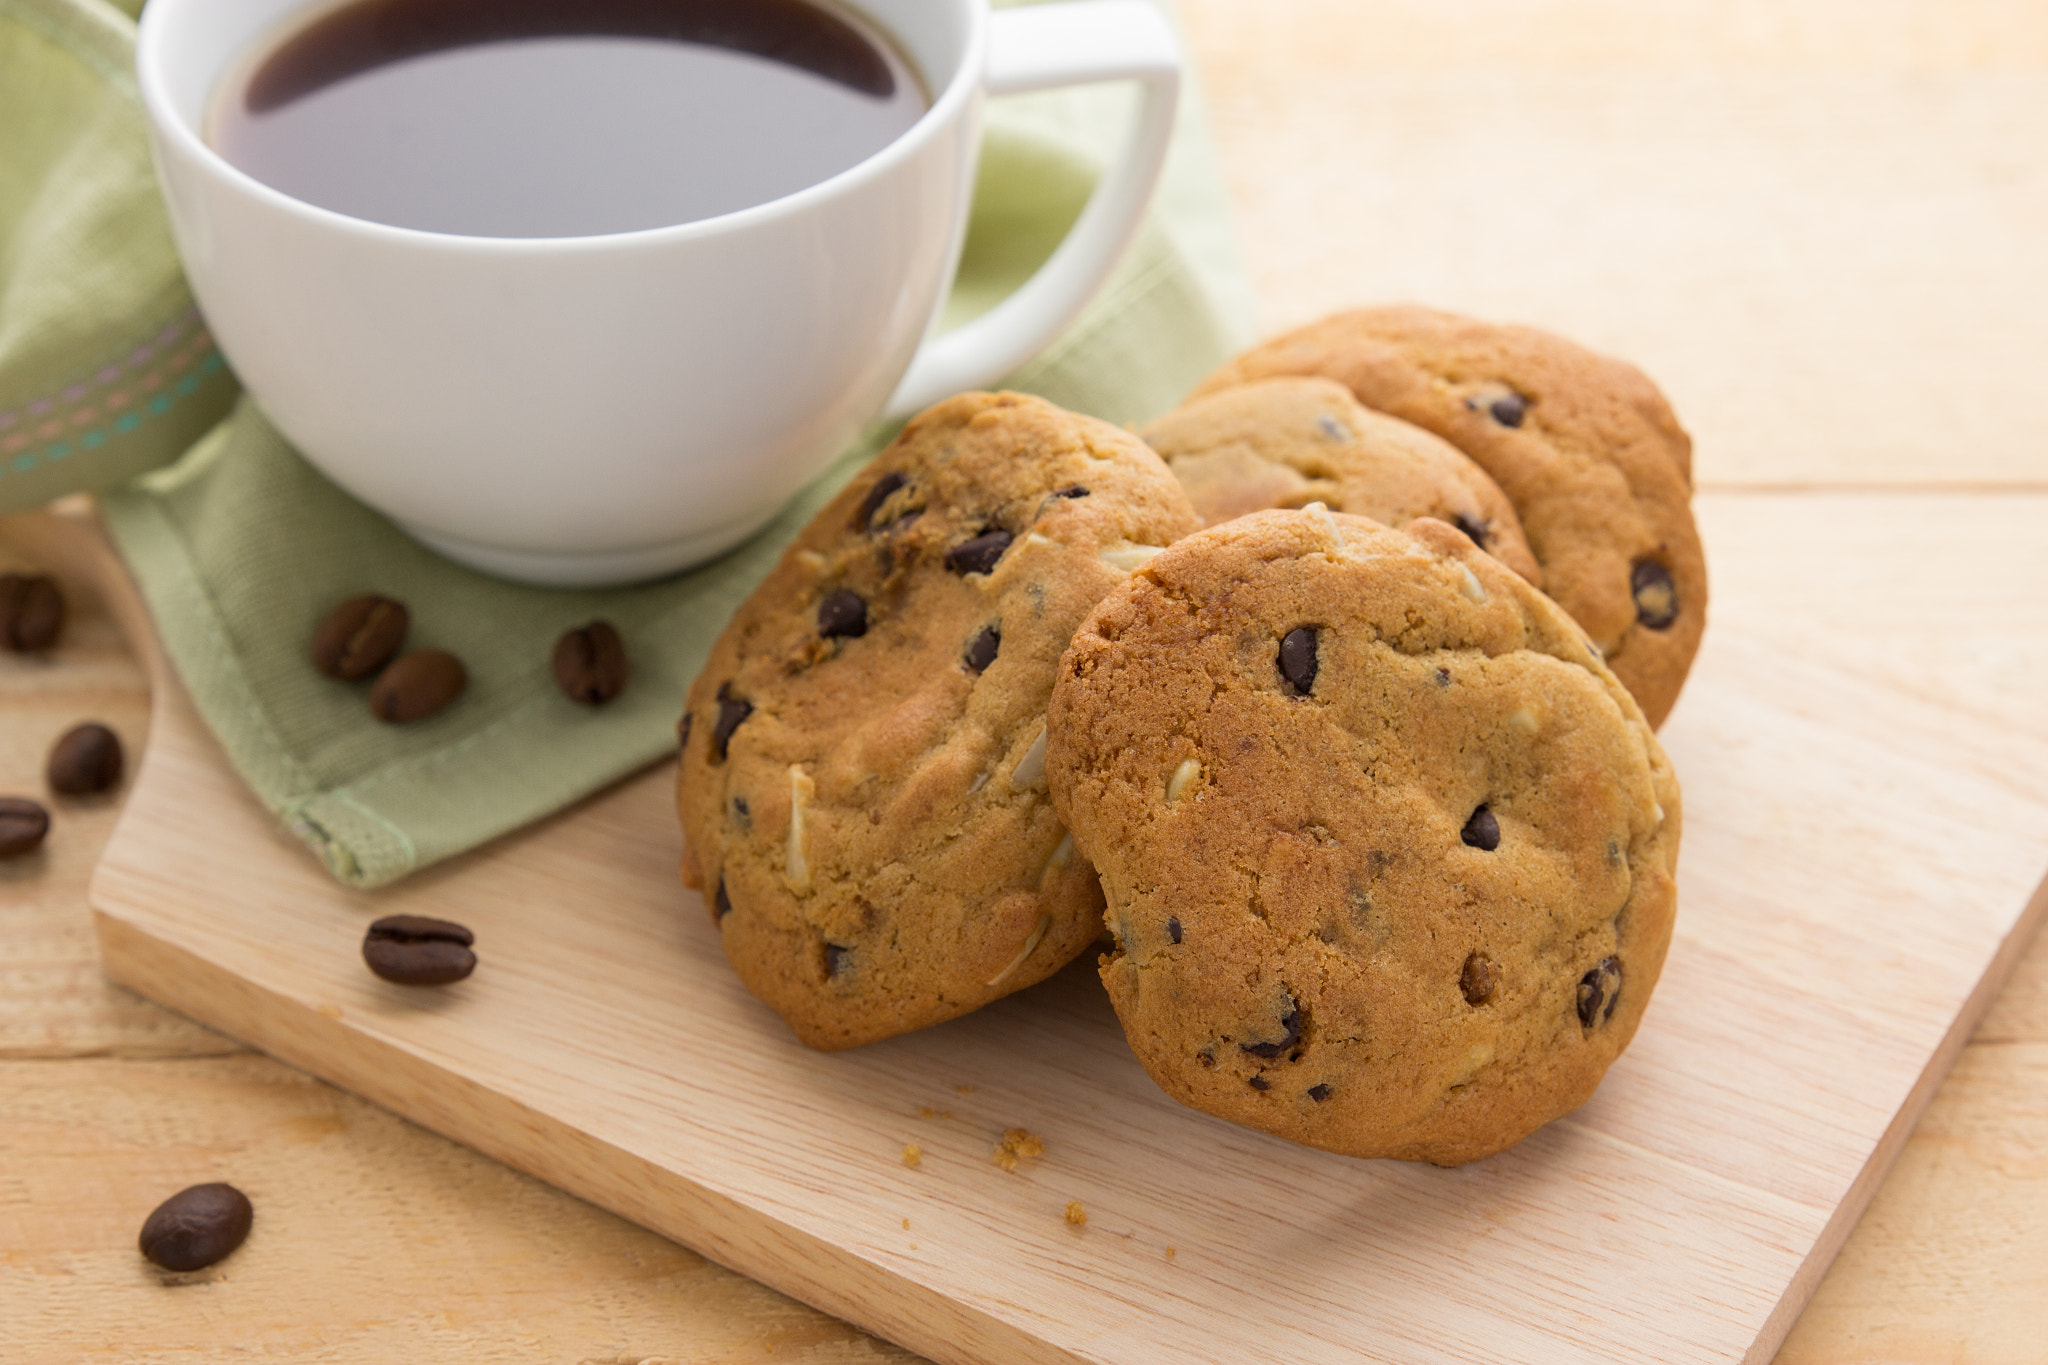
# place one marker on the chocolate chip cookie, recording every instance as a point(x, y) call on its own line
point(863, 762)
point(1293, 441)
point(1584, 446)
point(1388, 850)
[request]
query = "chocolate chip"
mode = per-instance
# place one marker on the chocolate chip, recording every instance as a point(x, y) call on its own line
point(1656, 595)
point(360, 636)
point(1475, 531)
point(1071, 491)
point(1443, 677)
point(981, 650)
point(1298, 659)
point(31, 612)
point(417, 685)
point(85, 761)
point(590, 663)
point(1508, 410)
point(1332, 428)
point(1173, 929)
point(415, 950)
point(1261, 1083)
point(835, 958)
point(1482, 831)
point(864, 519)
point(1478, 979)
point(980, 554)
point(843, 613)
point(1603, 983)
point(742, 813)
point(23, 823)
point(197, 1227)
point(721, 903)
point(731, 711)
point(683, 730)
point(1207, 1057)
point(1319, 1093)
point(1290, 1023)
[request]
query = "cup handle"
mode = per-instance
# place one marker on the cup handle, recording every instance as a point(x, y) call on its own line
point(1041, 47)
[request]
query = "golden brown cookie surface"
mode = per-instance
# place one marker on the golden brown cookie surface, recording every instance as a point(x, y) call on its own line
point(1584, 446)
point(1292, 441)
point(1388, 852)
point(862, 781)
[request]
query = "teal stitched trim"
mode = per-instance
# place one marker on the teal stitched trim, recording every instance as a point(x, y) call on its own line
point(111, 399)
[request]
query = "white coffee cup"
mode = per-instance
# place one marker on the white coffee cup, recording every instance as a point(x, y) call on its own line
point(587, 410)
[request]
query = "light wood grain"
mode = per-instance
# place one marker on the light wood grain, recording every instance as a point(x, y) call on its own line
point(1810, 219)
point(1857, 870)
point(1815, 222)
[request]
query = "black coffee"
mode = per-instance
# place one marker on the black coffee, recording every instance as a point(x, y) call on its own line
point(560, 118)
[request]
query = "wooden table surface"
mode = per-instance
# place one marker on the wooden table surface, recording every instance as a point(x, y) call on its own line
point(1817, 223)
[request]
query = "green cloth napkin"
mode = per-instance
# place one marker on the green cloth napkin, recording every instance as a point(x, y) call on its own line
point(241, 547)
point(105, 367)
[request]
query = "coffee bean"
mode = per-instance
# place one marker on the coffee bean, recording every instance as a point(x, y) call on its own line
point(981, 650)
point(1475, 531)
point(360, 636)
point(196, 1227)
point(1290, 1024)
point(1603, 983)
point(415, 950)
point(1260, 1083)
point(835, 958)
point(1319, 1093)
point(843, 613)
point(417, 685)
point(1656, 595)
point(85, 761)
point(31, 612)
point(721, 903)
point(590, 663)
point(1478, 979)
point(1482, 831)
point(731, 711)
point(1298, 659)
point(980, 554)
point(864, 519)
point(23, 823)
point(1173, 928)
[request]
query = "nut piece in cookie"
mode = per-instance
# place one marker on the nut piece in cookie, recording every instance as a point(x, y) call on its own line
point(863, 773)
point(1584, 446)
point(1388, 851)
point(1292, 441)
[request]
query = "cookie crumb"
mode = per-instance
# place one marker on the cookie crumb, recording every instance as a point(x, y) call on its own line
point(1017, 1143)
point(1077, 1215)
point(925, 1111)
point(906, 1225)
point(963, 1090)
point(1169, 1253)
point(912, 1156)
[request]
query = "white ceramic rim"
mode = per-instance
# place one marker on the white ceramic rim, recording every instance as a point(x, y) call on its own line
point(960, 89)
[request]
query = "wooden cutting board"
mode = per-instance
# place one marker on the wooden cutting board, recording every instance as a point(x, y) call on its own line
point(1862, 861)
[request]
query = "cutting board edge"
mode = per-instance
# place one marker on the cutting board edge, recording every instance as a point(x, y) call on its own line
point(1806, 1281)
point(750, 1241)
